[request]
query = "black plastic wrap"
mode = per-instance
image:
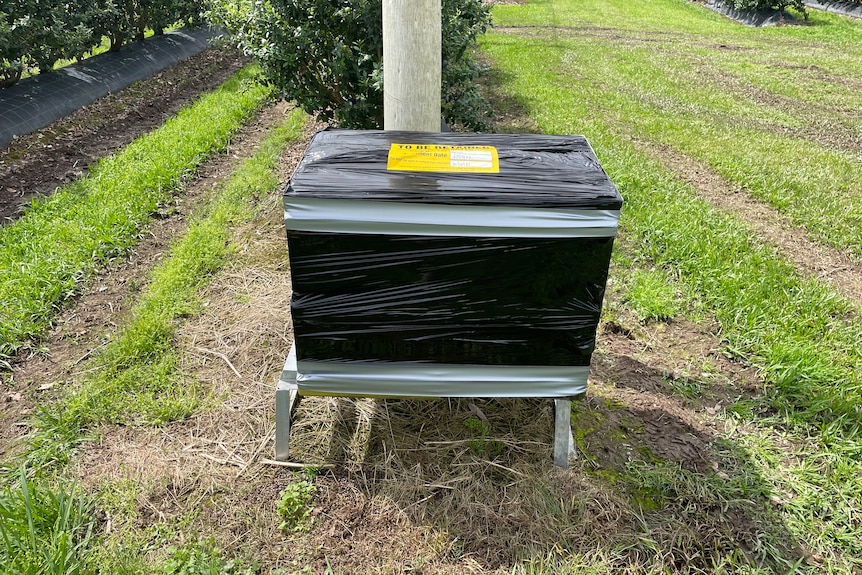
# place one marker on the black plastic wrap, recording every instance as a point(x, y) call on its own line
point(487, 301)
point(535, 170)
point(505, 267)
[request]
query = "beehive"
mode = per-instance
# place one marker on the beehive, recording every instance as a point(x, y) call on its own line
point(447, 265)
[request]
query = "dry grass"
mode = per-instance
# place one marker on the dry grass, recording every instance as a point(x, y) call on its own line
point(425, 486)
point(431, 486)
point(456, 496)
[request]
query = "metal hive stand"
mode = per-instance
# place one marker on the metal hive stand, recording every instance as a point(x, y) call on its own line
point(287, 397)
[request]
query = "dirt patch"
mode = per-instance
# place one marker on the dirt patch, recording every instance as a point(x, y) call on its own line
point(615, 35)
point(35, 164)
point(657, 389)
point(685, 358)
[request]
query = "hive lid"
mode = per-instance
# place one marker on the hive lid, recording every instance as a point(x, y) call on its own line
point(528, 171)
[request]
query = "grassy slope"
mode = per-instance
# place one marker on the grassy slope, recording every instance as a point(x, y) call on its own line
point(748, 103)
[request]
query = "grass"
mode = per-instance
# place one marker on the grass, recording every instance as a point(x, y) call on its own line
point(651, 296)
point(637, 79)
point(49, 527)
point(685, 468)
point(44, 529)
point(800, 333)
point(61, 240)
point(773, 111)
point(136, 378)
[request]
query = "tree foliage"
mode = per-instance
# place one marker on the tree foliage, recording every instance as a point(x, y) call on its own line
point(56, 31)
point(39, 33)
point(12, 51)
point(327, 55)
point(758, 5)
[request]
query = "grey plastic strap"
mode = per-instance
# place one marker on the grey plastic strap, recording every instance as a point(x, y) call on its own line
point(394, 218)
point(413, 379)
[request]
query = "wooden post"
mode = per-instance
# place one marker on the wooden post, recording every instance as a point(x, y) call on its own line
point(411, 65)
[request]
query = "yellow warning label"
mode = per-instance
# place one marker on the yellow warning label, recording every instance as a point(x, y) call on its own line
point(443, 158)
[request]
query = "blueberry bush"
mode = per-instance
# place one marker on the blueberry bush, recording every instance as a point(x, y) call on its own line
point(327, 55)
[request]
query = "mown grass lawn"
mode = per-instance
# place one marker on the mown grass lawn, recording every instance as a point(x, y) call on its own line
point(776, 111)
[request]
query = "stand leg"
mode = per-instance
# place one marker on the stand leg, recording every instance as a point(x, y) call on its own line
point(286, 399)
point(564, 442)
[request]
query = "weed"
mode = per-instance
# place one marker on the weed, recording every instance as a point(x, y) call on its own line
point(481, 444)
point(686, 387)
point(44, 529)
point(119, 497)
point(294, 506)
point(556, 563)
point(203, 558)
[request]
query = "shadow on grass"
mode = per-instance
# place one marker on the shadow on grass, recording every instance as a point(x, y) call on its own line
point(654, 489)
point(510, 112)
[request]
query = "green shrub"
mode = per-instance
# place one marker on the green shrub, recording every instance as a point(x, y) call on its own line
point(39, 33)
point(758, 5)
point(327, 55)
point(12, 51)
point(124, 20)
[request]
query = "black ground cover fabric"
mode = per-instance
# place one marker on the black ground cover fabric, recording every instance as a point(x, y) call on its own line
point(853, 9)
point(35, 102)
point(754, 18)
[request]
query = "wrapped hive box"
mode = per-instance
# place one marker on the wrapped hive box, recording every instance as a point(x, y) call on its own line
point(447, 265)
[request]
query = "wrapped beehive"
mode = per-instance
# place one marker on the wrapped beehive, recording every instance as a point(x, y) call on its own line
point(447, 264)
